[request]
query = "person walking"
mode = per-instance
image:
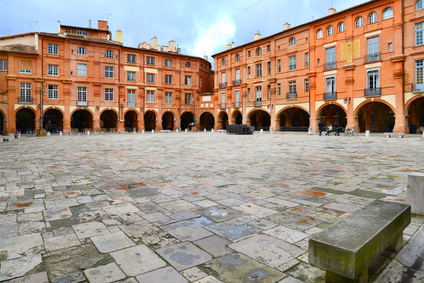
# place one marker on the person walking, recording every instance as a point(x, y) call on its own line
point(320, 127)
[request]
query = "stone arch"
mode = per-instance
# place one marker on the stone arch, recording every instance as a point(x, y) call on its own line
point(186, 120)
point(81, 120)
point(150, 120)
point(237, 117)
point(293, 119)
point(25, 120)
point(415, 113)
point(375, 116)
point(332, 114)
point(222, 120)
point(207, 121)
point(53, 120)
point(130, 120)
point(260, 119)
point(109, 120)
point(168, 120)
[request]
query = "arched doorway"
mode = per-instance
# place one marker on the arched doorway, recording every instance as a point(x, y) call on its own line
point(81, 121)
point(237, 118)
point(334, 115)
point(53, 121)
point(130, 121)
point(207, 121)
point(2, 119)
point(109, 121)
point(416, 116)
point(223, 120)
point(376, 117)
point(25, 121)
point(260, 120)
point(168, 121)
point(294, 119)
point(186, 120)
point(150, 121)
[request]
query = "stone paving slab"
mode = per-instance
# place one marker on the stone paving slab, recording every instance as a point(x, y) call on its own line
point(226, 208)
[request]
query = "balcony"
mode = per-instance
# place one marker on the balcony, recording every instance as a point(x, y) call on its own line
point(330, 65)
point(373, 57)
point(25, 99)
point(131, 104)
point(236, 82)
point(222, 85)
point(330, 95)
point(258, 103)
point(369, 92)
point(82, 103)
point(291, 95)
point(222, 106)
point(236, 104)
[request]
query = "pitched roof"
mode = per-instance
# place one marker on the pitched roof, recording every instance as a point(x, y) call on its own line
point(19, 48)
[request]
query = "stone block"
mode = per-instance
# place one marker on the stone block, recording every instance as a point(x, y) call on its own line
point(415, 193)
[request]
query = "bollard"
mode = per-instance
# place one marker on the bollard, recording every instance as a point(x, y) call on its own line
point(88, 133)
point(262, 131)
point(176, 130)
point(415, 192)
point(367, 133)
point(309, 131)
point(11, 137)
point(142, 131)
point(60, 133)
point(204, 130)
point(185, 130)
point(212, 130)
point(48, 134)
point(153, 131)
point(19, 135)
point(423, 134)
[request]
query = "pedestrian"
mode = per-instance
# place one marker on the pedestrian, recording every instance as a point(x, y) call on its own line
point(320, 127)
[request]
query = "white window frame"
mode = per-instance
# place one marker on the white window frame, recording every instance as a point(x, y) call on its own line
point(82, 32)
point(25, 92)
point(342, 27)
point(168, 79)
point(188, 64)
point(168, 97)
point(150, 60)
point(259, 51)
point(131, 58)
point(131, 96)
point(223, 98)
point(419, 34)
point(419, 74)
point(238, 57)
point(238, 75)
point(82, 94)
point(307, 61)
point(168, 63)
point(109, 94)
point(81, 51)
point(187, 98)
point(292, 87)
point(53, 48)
point(279, 65)
point(330, 88)
point(150, 96)
point(388, 13)
point(109, 72)
point(53, 70)
point(292, 63)
point(150, 78)
point(292, 41)
point(419, 5)
point(306, 85)
point(259, 70)
point(187, 80)
point(108, 54)
point(53, 92)
point(24, 71)
point(3, 64)
point(130, 76)
point(223, 77)
point(377, 80)
point(320, 34)
point(330, 30)
point(81, 70)
point(279, 89)
point(258, 93)
point(372, 18)
point(359, 22)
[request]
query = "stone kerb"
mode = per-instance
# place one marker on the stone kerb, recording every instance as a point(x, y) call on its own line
point(415, 193)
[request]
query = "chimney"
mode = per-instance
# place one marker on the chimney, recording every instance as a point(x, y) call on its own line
point(172, 46)
point(179, 50)
point(89, 23)
point(102, 25)
point(58, 26)
point(286, 26)
point(205, 57)
point(229, 46)
point(154, 44)
point(119, 36)
point(331, 11)
point(257, 36)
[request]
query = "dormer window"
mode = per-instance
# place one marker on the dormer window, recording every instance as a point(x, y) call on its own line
point(292, 41)
point(108, 54)
point(81, 51)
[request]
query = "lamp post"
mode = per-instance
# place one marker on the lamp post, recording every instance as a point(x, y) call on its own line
point(40, 105)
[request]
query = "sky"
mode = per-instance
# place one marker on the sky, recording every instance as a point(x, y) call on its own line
point(199, 27)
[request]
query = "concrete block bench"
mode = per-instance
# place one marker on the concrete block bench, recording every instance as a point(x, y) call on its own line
point(165, 131)
point(346, 249)
point(222, 131)
point(415, 192)
point(4, 138)
point(388, 135)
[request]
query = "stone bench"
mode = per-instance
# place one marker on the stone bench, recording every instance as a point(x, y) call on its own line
point(415, 192)
point(165, 131)
point(222, 131)
point(346, 249)
point(4, 138)
point(388, 135)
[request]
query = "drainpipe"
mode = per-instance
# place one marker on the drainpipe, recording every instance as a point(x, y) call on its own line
point(403, 62)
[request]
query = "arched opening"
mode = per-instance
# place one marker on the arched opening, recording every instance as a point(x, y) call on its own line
point(376, 117)
point(237, 118)
point(109, 121)
point(260, 120)
point(186, 120)
point(25, 121)
point(130, 121)
point(53, 121)
point(294, 119)
point(207, 121)
point(168, 121)
point(81, 121)
point(223, 120)
point(2, 119)
point(150, 121)
point(416, 116)
point(333, 115)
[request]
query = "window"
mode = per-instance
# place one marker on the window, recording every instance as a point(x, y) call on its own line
point(188, 64)
point(150, 96)
point(25, 67)
point(150, 78)
point(237, 93)
point(108, 72)
point(330, 30)
point(359, 22)
point(68, 31)
point(279, 65)
point(319, 62)
point(342, 27)
point(319, 33)
point(306, 85)
point(223, 99)
point(373, 79)
point(292, 63)
point(223, 78)
point(200, 81)
point(248, 94)
point(53, 48)
point(131, 76)
point(248, 53)
point(25, 93)
point(269, 68)
point(419, 34)
point(53, 92)
point(268, 48)
point(131, 58)
point(81, 51)
point(330, 58)
point(419, 5)
point(131, 97)
point(53, 70)
point(259, 51)
point(108, 94)
point(223, 61)
point(248, 71)
point(168, 79)
point(82, 32)
point(330, 84)
point(238, 57)
point(259, 70)
point(82, 94)
point(390, 47)
point(188, 98)
point(292, 41)
point(108, 54)
point(201, 67)
point(3, 64)
point(279, 89)
point(150, 60)
point(258, 93)
point(168, 63)
point(373, 49)
point(238, 75)
point(168, 97)
point(269, 91)
point(372, 18)
point(419, 74)
point(81, 70)
point(387, 13)
point(187, 80)
point(307, 60)
point(292, 87)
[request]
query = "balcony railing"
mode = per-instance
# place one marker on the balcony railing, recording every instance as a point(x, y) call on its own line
point(236, 82)
point(222, 85)
point(258, 103)
point(236, 104)
point(330, 95)
point(222, 106)
point(330, 65)
point(373, 57)
point(131, 104)
point(372, 91)
point(82, 103)
point(291, 95)
point(25, 99)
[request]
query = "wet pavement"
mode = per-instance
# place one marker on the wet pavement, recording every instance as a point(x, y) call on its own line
point(194, 207)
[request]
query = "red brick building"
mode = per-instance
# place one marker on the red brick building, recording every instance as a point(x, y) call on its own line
point(80, 79)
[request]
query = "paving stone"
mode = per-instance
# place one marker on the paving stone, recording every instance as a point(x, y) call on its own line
point(37, 277)
point(158, 218)
point(183, 215)
point(61, 242)
point(57, 214)
point(184, 255)
point(8, 230)
point(255, 210)
point(186, 231)
point(193, 274)
point(19, 266)
point(209, 279)
point(112, 242)
point(105, 273)
point(214, 245)
point(90, 229)
point(163, 275)
point(286, 234)
point(221, 213)
point(21, 245)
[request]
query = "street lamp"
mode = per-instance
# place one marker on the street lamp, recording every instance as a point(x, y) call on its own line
point(43, 86)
